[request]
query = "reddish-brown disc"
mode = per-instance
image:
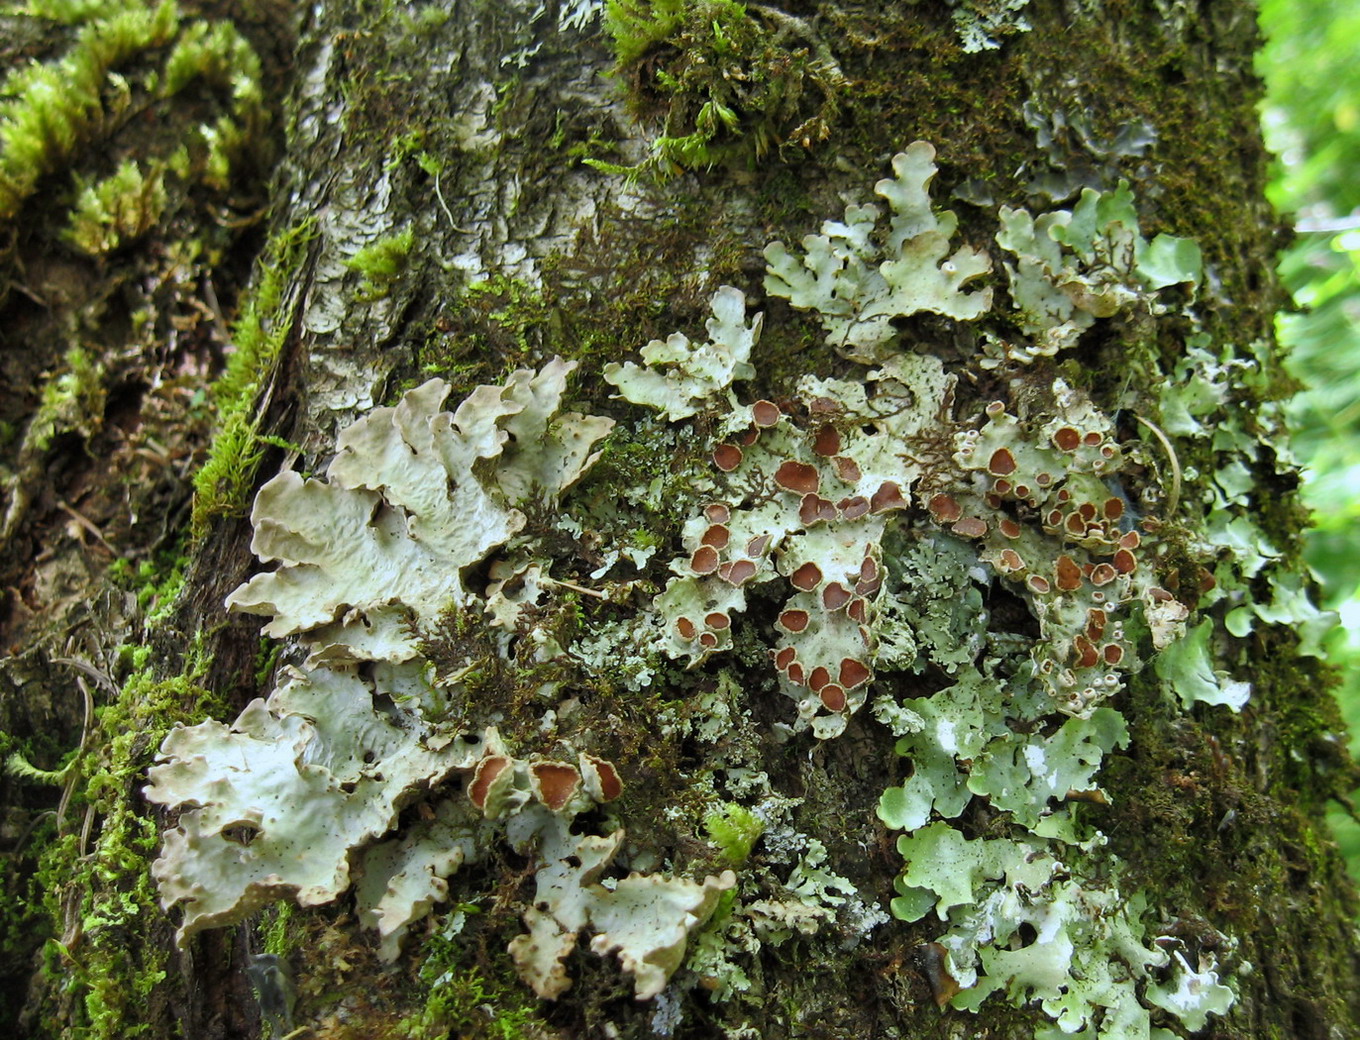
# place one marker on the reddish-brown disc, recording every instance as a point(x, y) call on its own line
point(727, 457)
point(827, 442)
point(765, 413)
point(704, 560)
point(797, 476)
point(833, 697)
point(807, 577)
point(853, 673)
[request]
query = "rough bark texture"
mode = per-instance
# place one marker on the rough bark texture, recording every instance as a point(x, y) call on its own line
point(467, 126)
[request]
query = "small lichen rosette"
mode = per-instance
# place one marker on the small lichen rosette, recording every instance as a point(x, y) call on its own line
point(645, 919)
point(682, 378)
point(859, 276)
point(414, 495)
point(1075, 266)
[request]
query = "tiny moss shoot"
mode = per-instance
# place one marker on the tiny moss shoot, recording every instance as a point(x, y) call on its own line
point(382, 263)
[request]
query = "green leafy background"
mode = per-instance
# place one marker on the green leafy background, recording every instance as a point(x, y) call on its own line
point(1312, 123)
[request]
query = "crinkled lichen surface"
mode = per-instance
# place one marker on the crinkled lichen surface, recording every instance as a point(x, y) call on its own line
point(864, 530)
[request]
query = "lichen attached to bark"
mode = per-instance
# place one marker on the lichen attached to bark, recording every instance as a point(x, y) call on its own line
point(830, 545)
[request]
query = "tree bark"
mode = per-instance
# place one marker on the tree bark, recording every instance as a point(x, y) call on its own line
point(429, 214)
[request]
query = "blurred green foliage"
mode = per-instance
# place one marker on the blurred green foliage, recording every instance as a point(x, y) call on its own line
point(1312, 124)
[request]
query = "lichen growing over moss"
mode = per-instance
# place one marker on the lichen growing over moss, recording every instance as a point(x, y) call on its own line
point(1030, 497)
point(304, 785)
point(1012, 558)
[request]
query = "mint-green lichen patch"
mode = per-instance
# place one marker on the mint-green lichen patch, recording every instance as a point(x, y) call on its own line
point(1040, 496)
point(1169, 260)
point(1192, 995)
point(695, 376)
point(1075, 266)
point(1187, 668)
point(975, 738)
point(983, 24)
point(645, 919)
point(402, 511)
point(1087, 955)
point(859, 275)
point(282, 796)
point(1199, 404)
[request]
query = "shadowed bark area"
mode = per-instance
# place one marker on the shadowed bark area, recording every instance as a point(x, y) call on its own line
point(470, 191)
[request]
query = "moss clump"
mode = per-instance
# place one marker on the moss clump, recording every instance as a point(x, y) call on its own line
point(382, 263)
point(222, 486)
point(735, 830)
point(727, 86)
point(99, 899)
point(156, 582)
point(118, 209)
point(462, 999)
point(55, 109)
point(68, 400)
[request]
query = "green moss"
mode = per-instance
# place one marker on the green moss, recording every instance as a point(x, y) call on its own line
point(280, 930)
point(217, 55)
point(496, 325)
point(65, 123)
point(382, 263)
point(639, 25)
point(458, 1002)
point(223, 484)
point(99, 896)
point(735, 830)
point(57, 108)
point(726, 87)
point(155, 582)
point(73, 12)
point(117, 210)
point(70, 400)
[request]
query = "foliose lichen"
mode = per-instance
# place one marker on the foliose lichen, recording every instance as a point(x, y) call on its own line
point(889, 519)
point(294, 798)
point(1021, 560)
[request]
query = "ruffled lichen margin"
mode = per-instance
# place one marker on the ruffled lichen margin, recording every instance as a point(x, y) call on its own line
point(852, 540)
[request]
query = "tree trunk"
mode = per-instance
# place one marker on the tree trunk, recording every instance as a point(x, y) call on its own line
point(813, 620)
